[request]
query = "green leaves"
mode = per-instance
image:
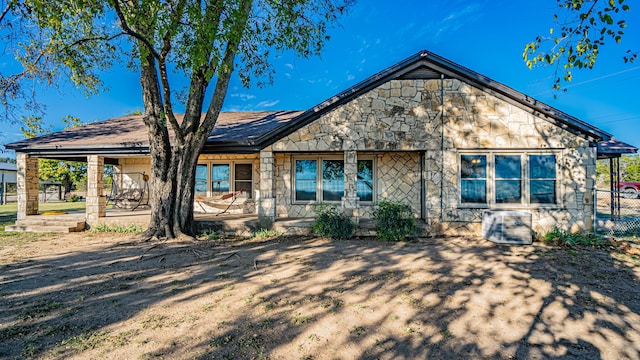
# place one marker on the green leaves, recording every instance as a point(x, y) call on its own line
point(594, 23)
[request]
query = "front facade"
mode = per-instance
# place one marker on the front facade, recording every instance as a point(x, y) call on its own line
point(427, 132)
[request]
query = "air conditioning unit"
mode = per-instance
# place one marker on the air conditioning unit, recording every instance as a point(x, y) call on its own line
point(507, 227)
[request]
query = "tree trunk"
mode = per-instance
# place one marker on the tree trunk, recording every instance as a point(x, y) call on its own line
point(162, 184)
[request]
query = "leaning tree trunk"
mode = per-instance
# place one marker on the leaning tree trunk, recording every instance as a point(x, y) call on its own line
point(162, 185)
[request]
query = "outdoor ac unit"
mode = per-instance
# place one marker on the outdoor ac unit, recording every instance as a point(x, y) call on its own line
point(507, 227)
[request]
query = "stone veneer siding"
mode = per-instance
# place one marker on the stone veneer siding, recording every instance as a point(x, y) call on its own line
point(401, 119)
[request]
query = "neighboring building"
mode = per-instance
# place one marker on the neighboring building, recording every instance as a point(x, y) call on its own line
point(8, 180)
point(428, 132)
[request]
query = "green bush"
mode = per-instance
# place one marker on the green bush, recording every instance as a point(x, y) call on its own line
point(394, 221)
point(565, 238)
point(331, 223)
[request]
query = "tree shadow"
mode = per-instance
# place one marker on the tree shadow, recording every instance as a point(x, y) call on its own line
point(315, 298)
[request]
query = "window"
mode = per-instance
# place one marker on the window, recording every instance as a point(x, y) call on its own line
point(220, 174)
point(243, 179)
point(473, 178)
point(201, 180)
point(322, 179)
point(215, 179)
point(306, 180)
point(509, 179)
point(364, 184)
point(542, 179)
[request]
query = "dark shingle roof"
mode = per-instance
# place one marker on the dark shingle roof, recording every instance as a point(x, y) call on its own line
point(128, 134)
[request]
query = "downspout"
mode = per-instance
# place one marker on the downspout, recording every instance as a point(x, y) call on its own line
point(423, 197)
point(442, 149)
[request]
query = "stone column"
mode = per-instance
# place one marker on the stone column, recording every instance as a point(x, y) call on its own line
point(267, 200)
point(96, 200)
point(350, 200)
point(27, 185)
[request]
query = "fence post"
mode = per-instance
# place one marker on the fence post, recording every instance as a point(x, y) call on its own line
point(595, 211)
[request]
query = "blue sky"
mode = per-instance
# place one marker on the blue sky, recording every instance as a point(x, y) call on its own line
point(487, 36)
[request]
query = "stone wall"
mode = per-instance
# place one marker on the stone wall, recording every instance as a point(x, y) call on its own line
point(407, 116)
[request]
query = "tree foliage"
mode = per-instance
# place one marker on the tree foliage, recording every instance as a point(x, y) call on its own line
point(69, 173)
point(629, 170)
point(582, 28)
point(204, 42)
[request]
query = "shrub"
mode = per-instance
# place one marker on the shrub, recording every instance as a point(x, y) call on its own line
point(565, 238)
point(117, 228)
point(73, 198)
point(331, 223)
point(394, 221)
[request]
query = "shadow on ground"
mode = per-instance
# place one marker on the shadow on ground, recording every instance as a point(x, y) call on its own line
point(316, 299)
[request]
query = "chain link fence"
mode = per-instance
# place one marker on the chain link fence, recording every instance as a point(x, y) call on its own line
point(617, 213)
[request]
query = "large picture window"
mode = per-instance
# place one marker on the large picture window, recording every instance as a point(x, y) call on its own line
point(322, 179)
point(509, 179)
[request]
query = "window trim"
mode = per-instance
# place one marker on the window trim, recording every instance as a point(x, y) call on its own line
point(319, 159)
point(525, 197)
point(232, 174)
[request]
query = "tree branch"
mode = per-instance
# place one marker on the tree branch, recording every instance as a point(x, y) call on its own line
point(125, 26)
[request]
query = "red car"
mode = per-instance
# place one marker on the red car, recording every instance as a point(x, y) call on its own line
point(629, 189)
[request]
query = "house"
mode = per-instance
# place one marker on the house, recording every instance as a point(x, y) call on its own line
point(428, 132)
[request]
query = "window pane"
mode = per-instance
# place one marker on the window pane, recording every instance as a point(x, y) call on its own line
point(473, 191)
point(473, 183)
point(201, 172)
point(508, 166)
point(542, 166)
point(332, 180)
point(243, 172)
point(508, 191)
point(220, 177)
point(543, 191)
point(201, 180)
point(201, 188)
point(508, 179)
point(364, 184)
point(542, 184)
point(306, 180)
point(473, 166)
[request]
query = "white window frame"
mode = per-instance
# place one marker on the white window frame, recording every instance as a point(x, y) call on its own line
point(232, 174)
point(525, 196)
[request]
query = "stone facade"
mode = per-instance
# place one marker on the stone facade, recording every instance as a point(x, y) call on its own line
point(96, 199)
point(404, 121)
point(27, 185)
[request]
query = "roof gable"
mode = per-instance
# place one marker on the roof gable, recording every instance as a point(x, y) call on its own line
point(427, 65)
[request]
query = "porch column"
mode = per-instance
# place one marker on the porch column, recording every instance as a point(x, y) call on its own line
point(96, 201)
point(27, 185)
point(350, 200)
point(267, 200)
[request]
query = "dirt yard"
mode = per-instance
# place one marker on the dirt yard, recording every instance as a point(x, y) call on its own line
point(96, 296)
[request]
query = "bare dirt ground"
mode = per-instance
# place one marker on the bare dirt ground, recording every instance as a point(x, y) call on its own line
point(96, 296)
